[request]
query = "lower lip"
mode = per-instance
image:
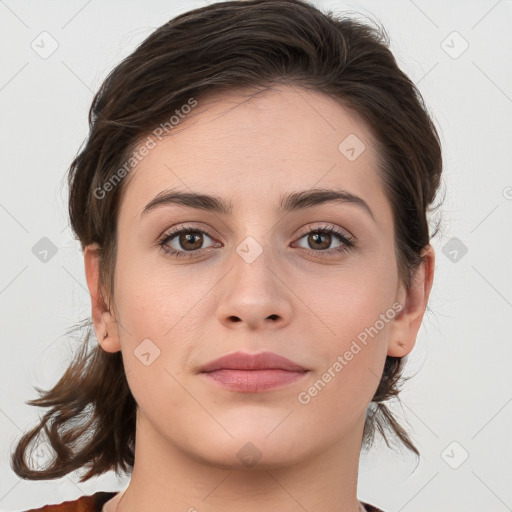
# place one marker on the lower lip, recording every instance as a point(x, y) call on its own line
point(253, 381)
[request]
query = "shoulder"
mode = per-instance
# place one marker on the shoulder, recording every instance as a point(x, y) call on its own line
point(90, 503)
point(94, 503)
point(370, 508)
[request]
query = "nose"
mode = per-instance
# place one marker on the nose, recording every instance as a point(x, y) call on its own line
point(255, 296)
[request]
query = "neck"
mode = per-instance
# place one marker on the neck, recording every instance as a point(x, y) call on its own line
point(166, 477)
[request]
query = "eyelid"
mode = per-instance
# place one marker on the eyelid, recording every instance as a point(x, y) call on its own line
point(306, 230)
point(186, 226)
point(330, 227)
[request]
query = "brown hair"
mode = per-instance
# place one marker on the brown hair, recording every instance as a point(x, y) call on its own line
point(227, 46)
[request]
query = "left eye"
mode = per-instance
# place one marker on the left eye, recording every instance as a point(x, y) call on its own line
point(324, 237)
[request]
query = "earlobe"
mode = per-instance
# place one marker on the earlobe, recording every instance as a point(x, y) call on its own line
point(105, 325)
point(399, 348)
point(407, 323)
point(109, 340)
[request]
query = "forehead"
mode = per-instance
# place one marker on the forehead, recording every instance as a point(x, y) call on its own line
point(257, 145)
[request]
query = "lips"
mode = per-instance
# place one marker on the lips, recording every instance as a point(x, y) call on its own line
point(258, 361)
point(253, 381)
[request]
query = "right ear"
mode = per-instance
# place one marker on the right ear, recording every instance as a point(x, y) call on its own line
point(103, 320)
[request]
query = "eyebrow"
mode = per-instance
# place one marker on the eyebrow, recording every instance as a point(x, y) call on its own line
point(289, 203)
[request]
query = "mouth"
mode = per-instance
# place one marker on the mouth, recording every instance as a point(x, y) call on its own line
point(257, 361)
point(252, 373)
point(253, 381)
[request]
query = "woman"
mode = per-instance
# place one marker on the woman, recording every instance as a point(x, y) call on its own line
point(252, 205)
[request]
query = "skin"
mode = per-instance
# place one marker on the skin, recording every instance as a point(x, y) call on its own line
point(250, 152)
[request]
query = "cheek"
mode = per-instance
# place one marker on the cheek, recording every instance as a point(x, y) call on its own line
point(161, 310)
point(156, 297)
point(351, 340)
point(350, 315)
point(343, 302)
point(157, 336)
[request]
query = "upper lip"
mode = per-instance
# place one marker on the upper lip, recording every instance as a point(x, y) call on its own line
point(245, 361)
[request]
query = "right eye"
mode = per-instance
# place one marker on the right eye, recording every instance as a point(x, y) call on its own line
point(185, 236)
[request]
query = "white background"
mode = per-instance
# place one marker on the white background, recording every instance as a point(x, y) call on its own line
point(462, 391)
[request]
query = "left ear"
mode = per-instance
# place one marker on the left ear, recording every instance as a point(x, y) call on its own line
point(414, 300)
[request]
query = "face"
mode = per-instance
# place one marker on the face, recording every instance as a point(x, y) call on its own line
point(316, 283)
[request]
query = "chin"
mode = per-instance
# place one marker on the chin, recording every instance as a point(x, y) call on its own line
point(253, 449)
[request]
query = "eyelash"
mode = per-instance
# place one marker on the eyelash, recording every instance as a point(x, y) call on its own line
point(348, 242)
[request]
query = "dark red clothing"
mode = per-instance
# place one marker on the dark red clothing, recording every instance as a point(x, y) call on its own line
point(92, 503)
point(95, 502)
